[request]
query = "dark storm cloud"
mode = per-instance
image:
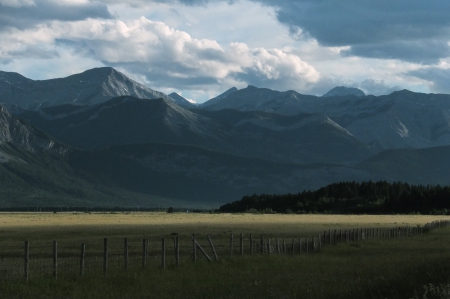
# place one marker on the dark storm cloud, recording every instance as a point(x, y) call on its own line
point(438, 78)
point(411, 30)
point(27, 16)
point(419, 51)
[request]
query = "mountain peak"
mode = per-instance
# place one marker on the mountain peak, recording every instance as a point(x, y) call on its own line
point(90, 87)
point(220, 97)
point(340, 91)
point(180, 100)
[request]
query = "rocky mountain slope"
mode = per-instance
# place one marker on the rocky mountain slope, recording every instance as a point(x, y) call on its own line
point(219, 97)
point(90, 87)
point(15, 132)
point(415, 166)
point(180, 101)
point(401, 119)
point(303, 138)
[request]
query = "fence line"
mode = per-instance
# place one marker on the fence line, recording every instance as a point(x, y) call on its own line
point(63, 263)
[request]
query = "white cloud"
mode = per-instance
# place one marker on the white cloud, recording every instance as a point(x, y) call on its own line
point(163, 55)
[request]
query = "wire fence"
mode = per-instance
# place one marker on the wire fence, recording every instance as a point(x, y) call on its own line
point(60, 259)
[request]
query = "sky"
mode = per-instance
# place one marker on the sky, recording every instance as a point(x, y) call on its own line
point(200, 48)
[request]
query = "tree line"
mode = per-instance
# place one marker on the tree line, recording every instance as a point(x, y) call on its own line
point(352, 198)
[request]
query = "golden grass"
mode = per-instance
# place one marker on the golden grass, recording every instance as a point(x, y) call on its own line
point(148, 224)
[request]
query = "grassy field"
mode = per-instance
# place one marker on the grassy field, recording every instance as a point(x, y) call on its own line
point(370, 269)
point(33, 226)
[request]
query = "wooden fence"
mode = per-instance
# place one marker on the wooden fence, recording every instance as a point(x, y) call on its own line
point(109, 258)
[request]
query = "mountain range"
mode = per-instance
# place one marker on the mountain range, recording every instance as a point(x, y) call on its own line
point(100, 138)
point(90, 87)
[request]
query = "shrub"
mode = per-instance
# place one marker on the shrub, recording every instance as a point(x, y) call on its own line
point(431, 291)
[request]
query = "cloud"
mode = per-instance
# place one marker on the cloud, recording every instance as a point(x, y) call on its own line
point(369, 86)
point(169, 57)
point(376, 87)
point(437, 78)
point(409, 30)
point(161, 56)
point(273, 68)
point(16, 3)
point(24, 14)
point(418, 51)
point(35, 52)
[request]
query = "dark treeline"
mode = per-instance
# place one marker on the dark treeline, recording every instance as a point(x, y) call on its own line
point(352, 198)
point(99, 209)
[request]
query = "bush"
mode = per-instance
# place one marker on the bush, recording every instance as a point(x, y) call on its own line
point(431, 291)
point(170, 210)
point(268, 211)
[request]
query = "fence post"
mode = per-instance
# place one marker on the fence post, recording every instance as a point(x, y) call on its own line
point(55, 259)
point(212, 248)
point(27, 260)
point(306, 247)
point(83, 247)
point(125, 253)
point(262, 244)
point(251, 244)
point(177, 251)
point(242, 244)
point(231, 245)
point(300, 245)
point(268, 246)
point(293, 246)
point(105, 255)
point(320, 243)
point(194, 247)
point(203, 252)
point(163, 253)
point(144, 253)
point(278, 246)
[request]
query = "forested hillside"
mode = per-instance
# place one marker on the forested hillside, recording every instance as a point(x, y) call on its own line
point(352, 197)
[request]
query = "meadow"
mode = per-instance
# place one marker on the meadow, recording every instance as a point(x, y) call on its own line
point(374, 268)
